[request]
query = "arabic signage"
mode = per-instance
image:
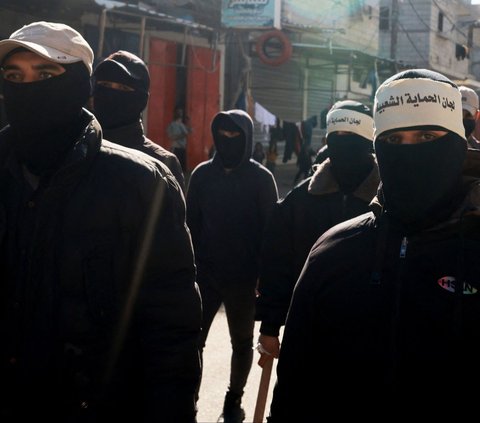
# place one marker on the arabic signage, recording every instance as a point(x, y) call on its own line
point(251, 13)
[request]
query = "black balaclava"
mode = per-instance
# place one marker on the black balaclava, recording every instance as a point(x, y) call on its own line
point(350, 154)
point(421, 183)
point(418, 180)
point(115, 108)
point(469, 125)
point(231, 150)
point(352, 159)
point(45, 116)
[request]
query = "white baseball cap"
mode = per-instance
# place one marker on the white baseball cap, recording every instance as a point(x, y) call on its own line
point(469, 99)
point(57, 42)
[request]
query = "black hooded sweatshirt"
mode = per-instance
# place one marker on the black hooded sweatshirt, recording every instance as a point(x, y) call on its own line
point(227, 210)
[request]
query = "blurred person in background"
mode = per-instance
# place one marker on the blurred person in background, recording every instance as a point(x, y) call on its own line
point(177, 132)
point(470, 105)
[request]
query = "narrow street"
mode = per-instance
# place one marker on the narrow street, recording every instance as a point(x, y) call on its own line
point(284, 175)
point(216, 375)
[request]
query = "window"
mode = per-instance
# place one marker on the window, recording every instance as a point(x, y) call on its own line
point(384, 24)
point(440, 22)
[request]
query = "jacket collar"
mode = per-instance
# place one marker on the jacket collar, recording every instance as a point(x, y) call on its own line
point(85, 148)
point(129, 135)
point(323, 182)
point(469, 206)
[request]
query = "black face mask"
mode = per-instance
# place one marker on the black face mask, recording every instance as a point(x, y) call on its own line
point(114, 108)
point(351, 158)
point(230, 150)
point(469, 125)
point(421, 182)
point(45, 116)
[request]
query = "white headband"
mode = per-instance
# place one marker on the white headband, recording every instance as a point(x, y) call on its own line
point(350, 120)
point(418, 102)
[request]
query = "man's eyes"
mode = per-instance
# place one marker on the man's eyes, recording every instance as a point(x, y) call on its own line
point(12, 76)
point(419, 137)
point(428, 136)
point(19, 76)
point(104, 84)
point(46, 75)
point(115, 85)
point(391, 139)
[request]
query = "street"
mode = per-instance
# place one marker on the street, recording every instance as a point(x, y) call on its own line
point(216, 374)
point(284, 175)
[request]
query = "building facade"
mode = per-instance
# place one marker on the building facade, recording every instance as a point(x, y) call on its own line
point(433, 34)
point(295, 63)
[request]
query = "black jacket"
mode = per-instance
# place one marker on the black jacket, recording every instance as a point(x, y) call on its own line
point(100, 314)
point(132, 136)
point(296, 222)
point(377, 324)
point(227, 211)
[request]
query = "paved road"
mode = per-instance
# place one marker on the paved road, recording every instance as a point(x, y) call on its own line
point(284, 175)
point(218, 349)
point(216, 374)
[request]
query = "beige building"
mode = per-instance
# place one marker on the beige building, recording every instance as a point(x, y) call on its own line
point(436, 34)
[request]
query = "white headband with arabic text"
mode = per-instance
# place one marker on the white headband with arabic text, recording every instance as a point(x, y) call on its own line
point(405, 103)
point(351, 121)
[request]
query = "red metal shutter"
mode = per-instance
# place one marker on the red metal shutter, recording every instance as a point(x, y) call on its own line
point(202, 102)
point(162, 68)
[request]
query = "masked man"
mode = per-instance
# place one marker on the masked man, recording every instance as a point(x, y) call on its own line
point(470, 105)
point(341, 187)
point(120, 94)
point(229, 200)
point(100, 313)
point(385, 315)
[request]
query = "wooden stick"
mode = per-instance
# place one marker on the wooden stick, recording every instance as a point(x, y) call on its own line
point(263, 387)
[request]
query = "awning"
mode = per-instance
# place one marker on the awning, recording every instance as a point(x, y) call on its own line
point(143, 11)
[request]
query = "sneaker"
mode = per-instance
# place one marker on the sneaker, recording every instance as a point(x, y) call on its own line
point(232, 410)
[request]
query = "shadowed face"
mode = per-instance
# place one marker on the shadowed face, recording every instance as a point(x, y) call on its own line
point(114, 85)
point(228, 134)
point(178, 113)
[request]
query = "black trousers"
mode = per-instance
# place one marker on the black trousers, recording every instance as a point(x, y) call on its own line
point(181, 154)
point(239, 302)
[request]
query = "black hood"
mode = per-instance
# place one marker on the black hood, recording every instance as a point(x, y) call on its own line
point(241, 119)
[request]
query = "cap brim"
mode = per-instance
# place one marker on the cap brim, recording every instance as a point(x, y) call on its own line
point(117, 66)
point(472, 110)
point(57, 56)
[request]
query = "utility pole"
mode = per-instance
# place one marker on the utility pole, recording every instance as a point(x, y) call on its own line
point(394, 30)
